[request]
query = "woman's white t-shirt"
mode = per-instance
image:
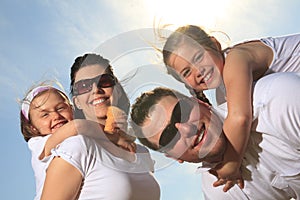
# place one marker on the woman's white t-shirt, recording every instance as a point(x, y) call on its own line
point(104, 175)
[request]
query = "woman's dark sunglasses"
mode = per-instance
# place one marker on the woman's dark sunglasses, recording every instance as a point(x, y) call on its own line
point(86, 85)
point(180, 114)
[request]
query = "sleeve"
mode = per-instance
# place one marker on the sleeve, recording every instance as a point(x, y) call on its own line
point(74, 151)
point(36, 145)
point(145, 162)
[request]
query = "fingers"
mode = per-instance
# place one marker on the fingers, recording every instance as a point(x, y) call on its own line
point(219, 182)
point(240, 183)
point(127, 145)
point(228, 184)
point(132, 147)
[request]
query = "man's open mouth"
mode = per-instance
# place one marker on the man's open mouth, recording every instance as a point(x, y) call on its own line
point(200, 135)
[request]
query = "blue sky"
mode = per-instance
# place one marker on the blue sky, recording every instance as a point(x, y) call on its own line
point(40, 39)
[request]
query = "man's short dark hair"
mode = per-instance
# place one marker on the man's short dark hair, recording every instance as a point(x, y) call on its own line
point(141, 109)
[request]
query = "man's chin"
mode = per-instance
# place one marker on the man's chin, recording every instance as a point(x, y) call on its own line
point(215, 154)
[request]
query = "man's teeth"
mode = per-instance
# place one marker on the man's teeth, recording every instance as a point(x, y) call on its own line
point(201, 135)
point(98, 101)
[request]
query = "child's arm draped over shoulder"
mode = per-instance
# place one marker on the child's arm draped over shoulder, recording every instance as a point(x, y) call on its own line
point(238, 82)
point(60, 135)
point(72, 128)
point(86, 128)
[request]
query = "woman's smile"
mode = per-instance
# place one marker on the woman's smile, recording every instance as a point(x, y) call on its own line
point(100, 101)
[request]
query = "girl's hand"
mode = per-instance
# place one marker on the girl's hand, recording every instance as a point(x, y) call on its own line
point(125, 141)
point(229, 183)
point(122, 139)
point(229, 174)
point(228, 170)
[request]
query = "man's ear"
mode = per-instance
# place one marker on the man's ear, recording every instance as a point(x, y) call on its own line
point(76, 103)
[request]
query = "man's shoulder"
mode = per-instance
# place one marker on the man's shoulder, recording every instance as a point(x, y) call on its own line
point(282, 86)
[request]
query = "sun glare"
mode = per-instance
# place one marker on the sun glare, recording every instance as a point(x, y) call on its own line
point(198, 12)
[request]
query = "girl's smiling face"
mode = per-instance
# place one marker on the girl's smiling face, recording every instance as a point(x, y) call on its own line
point(49, 111)
point(199, 68)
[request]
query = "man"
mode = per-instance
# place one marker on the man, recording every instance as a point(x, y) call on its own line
point(189, 130)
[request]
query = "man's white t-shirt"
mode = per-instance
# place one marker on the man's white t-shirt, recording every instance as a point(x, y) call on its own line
point(271, 165)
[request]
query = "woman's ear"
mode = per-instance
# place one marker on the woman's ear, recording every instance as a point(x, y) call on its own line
point(76, 103)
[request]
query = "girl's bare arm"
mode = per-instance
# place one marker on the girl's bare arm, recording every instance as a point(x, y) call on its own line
point(63, 181)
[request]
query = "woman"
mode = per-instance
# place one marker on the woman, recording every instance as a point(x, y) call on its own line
point(83, 169)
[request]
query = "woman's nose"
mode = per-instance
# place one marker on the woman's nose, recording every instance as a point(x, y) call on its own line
point(96, 89)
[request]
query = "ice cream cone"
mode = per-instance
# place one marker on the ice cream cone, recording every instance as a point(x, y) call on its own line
point(112, 113)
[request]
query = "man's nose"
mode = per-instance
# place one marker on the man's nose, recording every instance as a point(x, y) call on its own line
point(186, 129)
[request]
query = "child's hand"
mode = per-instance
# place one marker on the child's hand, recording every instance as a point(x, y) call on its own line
point(229, 183)
point(228, 172)
point(126, 142)
point(228, 175)
point(117, 132)
point(229, 169)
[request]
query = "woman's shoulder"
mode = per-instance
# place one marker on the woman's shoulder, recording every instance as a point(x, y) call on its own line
point(75, 144)
point(36, 144)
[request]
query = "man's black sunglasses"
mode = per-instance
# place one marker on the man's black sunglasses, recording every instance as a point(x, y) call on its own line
point(180, 114)
point(86, 85)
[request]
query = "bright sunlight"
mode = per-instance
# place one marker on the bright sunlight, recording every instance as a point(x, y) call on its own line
point(201, 12)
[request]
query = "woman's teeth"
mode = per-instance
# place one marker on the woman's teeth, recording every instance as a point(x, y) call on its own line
point(98, 101)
